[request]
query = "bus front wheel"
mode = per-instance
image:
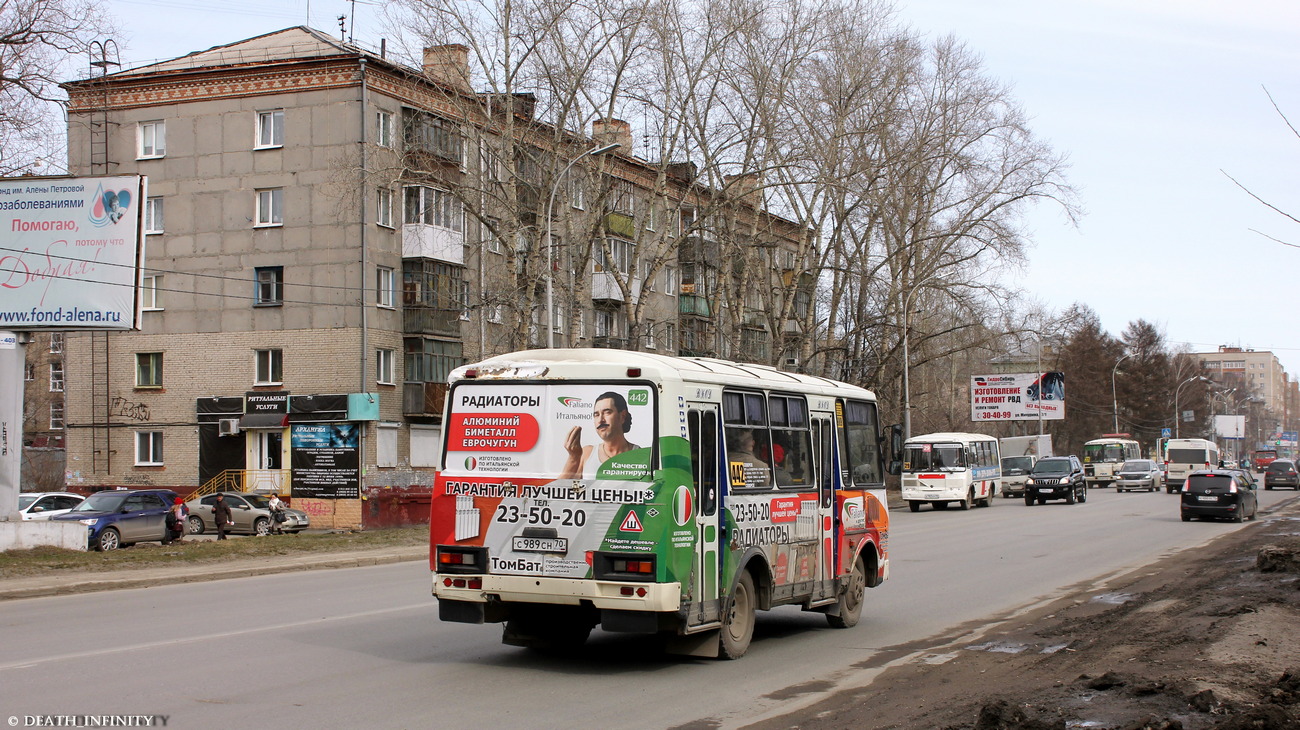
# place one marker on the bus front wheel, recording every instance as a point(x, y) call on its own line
point(970, 498)
point(914, 505)
point(851, 598)
point(738, 623)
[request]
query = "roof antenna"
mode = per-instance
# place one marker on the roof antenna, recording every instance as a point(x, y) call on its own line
point(342, 26)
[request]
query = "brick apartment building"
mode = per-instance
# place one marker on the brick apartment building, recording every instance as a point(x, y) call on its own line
point(321, 251)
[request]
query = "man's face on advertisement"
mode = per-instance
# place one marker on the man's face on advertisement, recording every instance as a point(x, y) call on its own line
point(608, 419)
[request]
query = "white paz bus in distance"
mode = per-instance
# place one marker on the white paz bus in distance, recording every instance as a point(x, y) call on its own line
point(1184, 456)
point(1103, 457)
point(950, 468)
point(657, 495)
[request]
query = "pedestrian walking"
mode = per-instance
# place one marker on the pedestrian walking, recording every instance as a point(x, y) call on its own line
point(176, 517)
point(222, 516)
point(277, 514)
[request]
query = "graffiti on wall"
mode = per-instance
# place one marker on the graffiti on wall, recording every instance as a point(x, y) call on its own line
point(124, 408)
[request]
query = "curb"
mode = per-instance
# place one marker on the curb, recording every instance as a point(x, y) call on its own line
point(49, 586)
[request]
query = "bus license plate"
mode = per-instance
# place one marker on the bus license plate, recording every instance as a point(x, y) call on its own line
point(540, 544)
point(931, 496)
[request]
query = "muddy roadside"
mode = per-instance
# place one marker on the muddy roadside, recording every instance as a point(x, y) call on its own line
point(1208, 638)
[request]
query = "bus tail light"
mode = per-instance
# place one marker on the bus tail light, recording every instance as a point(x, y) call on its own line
point(454, 559)
point(608, 566)
point(634, 372)
point(471, 583)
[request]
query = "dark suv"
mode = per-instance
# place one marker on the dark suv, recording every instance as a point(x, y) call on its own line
point(1281, 473)
point(1226, 493)
point(1056, 477)
point(120, 517)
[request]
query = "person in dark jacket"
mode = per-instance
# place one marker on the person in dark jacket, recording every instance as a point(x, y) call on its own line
point(222, 516)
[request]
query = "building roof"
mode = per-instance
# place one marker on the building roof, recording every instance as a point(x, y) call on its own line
point(291, 44)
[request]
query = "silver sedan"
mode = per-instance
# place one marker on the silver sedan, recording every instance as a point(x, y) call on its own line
point(1139, 474)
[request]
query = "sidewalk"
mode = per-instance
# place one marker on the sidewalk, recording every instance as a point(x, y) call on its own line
point(86, 582)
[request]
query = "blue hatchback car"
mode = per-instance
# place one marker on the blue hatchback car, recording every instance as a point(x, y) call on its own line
point(122, 517)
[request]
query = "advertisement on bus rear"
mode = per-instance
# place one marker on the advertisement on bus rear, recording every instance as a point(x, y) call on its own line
point(1018, 397)
point(559, 431)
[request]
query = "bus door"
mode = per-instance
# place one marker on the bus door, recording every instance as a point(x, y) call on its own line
point(707, 468)
point(824, 469)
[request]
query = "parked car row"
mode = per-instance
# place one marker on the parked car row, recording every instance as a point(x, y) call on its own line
point(117, 518)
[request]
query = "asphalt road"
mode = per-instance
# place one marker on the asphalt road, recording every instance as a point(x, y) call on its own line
point(362, 647)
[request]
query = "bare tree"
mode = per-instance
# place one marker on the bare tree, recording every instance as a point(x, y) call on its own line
point(1266, 203)
point(38, 40)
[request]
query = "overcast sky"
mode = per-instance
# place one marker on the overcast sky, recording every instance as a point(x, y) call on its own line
point(1153, 101)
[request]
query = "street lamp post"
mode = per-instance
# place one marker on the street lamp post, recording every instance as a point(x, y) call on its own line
point(1177, 415)
point(1113, 393)
point(907, 390)
point(550, 250)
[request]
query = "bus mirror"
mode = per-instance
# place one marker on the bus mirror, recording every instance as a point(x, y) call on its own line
point(896, 442)
point(895, 466)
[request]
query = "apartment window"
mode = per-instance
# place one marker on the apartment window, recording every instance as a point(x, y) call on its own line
point(270, 129)
point(577, 191)
point(490, 234)
point(384, 129)
point(56, 377)
point(270, 367)
point(56, 342)
point(148, 448)
point(384, 366)
point(385, 287)
point(670, 336)
point(557, 318)
point(153, 139)
point(670, 280)
point(604, 322)
point(270, 207)
point(150, 286)
point(153, 215)
point(621, 254)
point(29, 371)
point(646, 277)
point(650, 334)
point(56, 416)
point(148, 369)
point(651, 215)
point(270, 286)
point(494, 313)
point(433, 207)
point(384, 207)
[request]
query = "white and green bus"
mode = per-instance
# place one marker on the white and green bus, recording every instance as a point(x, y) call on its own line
point(963, 469)
point(652, 494)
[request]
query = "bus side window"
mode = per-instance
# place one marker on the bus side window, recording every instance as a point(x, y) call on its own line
point(860, 437)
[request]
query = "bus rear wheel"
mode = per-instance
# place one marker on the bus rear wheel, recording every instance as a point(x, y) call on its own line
point(738, 623)
point(851, 598)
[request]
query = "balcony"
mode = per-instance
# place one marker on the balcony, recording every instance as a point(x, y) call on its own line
point(604, 288)
point(613, 343)
point(420, 319)
point(691, 304)
point(421, 241)
point(423, 399)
